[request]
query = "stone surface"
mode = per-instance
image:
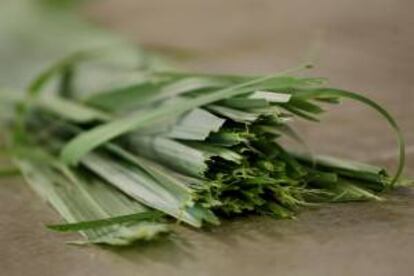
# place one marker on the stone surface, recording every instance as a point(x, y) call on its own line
point(360, 45)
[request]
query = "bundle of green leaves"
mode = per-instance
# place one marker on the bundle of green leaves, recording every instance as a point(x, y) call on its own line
point(120, 160)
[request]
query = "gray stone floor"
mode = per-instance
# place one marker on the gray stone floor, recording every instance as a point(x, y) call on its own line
point(360, 45)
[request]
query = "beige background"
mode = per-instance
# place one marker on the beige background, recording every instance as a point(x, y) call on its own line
point(364, 45)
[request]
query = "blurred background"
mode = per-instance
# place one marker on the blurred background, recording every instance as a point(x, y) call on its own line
point(365, 46)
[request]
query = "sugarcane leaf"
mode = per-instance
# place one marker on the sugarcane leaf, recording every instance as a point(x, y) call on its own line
point(195, 125)
point(227, 138)
point(301, 113)
point(215, 151)
point(149, 92)
point(125, 236)
point(170, 153)
point(125, 98)
point(170, 180)
point(305, 106)
point(140, 185)
point(191, 84)
point(87, 141)
point(77, 200)
point(43, 78)
point(359, 98)
point(324, 178)
point(92, 224)
point(348, 168)
point(347, 191)
point(233, 114)
point(244, 103)
point(328, 99)
point(282, 83)
point(336, 163)
point(272, 97)
point(71, 110)
point(164, 176)
point(66, 87)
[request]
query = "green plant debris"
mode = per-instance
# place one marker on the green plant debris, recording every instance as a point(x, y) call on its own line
point(122, 146)
point(192, 147)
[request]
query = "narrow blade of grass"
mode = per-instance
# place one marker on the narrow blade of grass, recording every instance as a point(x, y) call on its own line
point(85, 225)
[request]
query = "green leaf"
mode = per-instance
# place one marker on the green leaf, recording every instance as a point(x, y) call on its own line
point(347, 168)
point(244, 103)
point(345, 191)
point(43, 78)
point(215, 151)
point(233, 114)
point(305, 106)
point(150, 92)
point(120, 99)
point(79, 199)
point(92, 224)
point(174, 154)
point(357, 97)
point(195, 125)
point(272, 97)
point(87, 141)
point(71, 110)
point(138, 184)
